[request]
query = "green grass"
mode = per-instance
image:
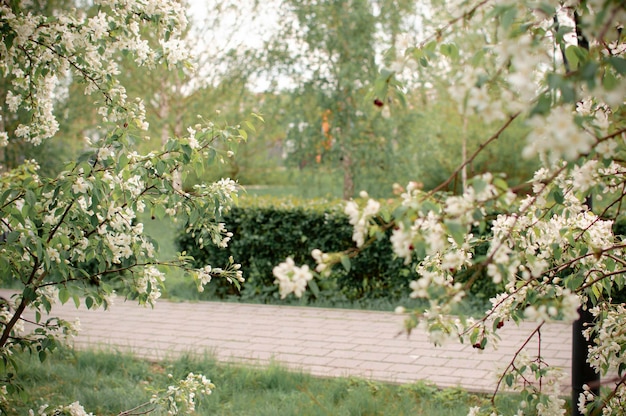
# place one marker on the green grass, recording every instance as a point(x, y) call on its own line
point(164, 232)
point(106, 383)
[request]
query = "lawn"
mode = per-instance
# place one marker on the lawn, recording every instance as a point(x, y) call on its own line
point(107, 383)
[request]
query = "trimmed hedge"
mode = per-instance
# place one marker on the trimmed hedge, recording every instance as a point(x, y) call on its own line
point(266, 232)
point(264, 236)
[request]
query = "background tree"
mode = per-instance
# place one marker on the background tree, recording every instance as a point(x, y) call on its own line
point(330, 54)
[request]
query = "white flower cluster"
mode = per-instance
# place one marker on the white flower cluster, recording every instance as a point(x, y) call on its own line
point(44, 49)
point(216, 233)
point(360, 220)
point(202, 277)
point(558, 135)
point(232, 273)
point(73, 409)
point(614, 405)
point(119, 233)
point(291, 278)
point(609, 339)
point(181, 397)
point(324, 262)
point(149, 283)
point(225, 191)
point(5, 316)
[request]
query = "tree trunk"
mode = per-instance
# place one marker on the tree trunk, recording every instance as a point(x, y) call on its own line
point(348, 177)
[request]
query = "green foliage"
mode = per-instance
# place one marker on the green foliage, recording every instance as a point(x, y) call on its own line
point(69, 227)
point(109, 382)
point(264, 235)
point(331, 122)
point(267, 230)
point(104, 383)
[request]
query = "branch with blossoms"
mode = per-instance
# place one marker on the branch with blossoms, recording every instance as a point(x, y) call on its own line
point(71, 220)
point(53, 46)
point(78, 235)
point(547, 250)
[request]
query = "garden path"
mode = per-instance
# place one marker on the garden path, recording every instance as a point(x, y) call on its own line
point(323, 342)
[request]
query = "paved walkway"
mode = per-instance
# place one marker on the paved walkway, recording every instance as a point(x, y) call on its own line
point(323, 342)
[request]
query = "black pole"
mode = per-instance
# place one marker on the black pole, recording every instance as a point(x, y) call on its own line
point(582, 372)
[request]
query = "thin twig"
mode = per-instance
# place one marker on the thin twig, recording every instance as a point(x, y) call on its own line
point(512, 363)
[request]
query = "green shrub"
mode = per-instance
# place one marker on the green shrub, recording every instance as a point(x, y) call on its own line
point(268, 230)
point(264, 235)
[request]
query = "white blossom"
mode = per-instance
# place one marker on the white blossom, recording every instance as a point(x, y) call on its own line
point(291, 278)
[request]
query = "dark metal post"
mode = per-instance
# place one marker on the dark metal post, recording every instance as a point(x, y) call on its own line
point(582, 372)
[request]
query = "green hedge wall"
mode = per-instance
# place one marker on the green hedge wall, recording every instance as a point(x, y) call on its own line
point(266, 233)
point(264, 236)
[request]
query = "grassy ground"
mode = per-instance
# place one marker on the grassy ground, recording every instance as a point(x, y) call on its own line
point(107, 383)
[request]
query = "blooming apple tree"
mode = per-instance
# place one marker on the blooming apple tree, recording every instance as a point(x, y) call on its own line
point(77, 236)
point(559, 67)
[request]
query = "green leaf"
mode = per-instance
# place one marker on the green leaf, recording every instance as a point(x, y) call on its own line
point(575, 56)
point(547, 9)
point(420, 249)
point(618, 63)
point(193, 217)
point(161, 167)
point(345, 262)
point(172, 145)
point(474, 336)
point(508, 17)
point(5, 196)
point(430, 48)
point(609, 81)
point(450, 50)
point(258, 117)
point(250, 126)
point(479, 185)
point(29, 294)
point(457, 231)
point(122, 161)
point(563, 30)
point(89, 302)
point(568, 93)
point(483, 343)
point(18, 216)
point(544, 103)
point(158, 211)
point(588, 73)
point(314, 288)
point(64, 295)
point(12, 237)
point(558, 196)
point(428, 206)
point(30, 198)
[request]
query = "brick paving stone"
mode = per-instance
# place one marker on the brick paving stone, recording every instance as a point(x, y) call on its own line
point(323, 342)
